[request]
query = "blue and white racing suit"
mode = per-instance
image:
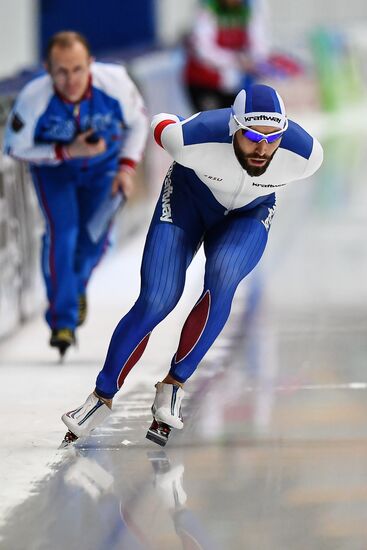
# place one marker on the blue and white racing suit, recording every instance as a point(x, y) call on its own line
point(71, 190)
point(206, 197)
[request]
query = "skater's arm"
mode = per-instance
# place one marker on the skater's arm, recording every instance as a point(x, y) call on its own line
point(189, 140)
point(168, 134)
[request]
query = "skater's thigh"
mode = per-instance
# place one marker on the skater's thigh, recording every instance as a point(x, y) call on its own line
point(240, 233)
point(167, 253)
point(232, 250)
point(177, 206)
point(174, 235)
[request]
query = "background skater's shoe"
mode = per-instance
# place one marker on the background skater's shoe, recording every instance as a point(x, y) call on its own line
point(82, 309)
point(84, 419)
point(62, 338)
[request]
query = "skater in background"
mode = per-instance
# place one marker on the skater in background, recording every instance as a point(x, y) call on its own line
point(219, 192)
point(228, 43)
point(82, 129)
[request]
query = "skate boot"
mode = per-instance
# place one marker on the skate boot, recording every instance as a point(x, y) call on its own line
point(82, 309)
point(166, 411)
point(62, 339)
point(84, 419)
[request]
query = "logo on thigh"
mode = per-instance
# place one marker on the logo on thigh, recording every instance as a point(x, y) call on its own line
point(267, 222)
point(166, 198)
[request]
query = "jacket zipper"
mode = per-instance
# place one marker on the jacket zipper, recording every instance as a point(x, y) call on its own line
point(235, 195)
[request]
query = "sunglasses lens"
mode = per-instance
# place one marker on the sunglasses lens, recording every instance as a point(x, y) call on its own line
point(275, 137)
point(252, 136)
point(257, 137)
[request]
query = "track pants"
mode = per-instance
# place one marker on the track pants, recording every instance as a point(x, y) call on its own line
point(68, 199)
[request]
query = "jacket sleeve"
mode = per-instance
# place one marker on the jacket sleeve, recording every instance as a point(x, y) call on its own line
point(167, 131)
point(21, 125)
point(134, 112)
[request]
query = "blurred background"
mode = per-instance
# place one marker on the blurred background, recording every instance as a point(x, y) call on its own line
point(322, 48)
point(278, 408)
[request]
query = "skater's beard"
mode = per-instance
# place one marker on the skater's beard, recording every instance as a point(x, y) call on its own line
point(242, 158)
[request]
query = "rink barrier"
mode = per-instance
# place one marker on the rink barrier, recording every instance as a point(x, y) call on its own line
point(20, 230)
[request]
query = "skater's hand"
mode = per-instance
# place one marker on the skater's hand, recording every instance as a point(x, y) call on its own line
point(124, 181)
point(80, 147)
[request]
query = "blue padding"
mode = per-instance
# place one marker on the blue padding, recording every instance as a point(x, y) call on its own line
point(208, 127)
point(297, 140)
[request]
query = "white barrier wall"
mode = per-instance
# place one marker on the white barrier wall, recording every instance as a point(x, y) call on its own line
point(18, 35)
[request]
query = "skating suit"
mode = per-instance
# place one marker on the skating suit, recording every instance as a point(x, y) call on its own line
point(71, 190)
point(206, 198)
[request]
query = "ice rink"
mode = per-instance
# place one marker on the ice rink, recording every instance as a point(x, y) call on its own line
point(274, 451)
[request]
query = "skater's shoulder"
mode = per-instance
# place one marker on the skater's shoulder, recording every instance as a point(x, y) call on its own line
point(207, 127)
point(301, 154)
point(297, 140)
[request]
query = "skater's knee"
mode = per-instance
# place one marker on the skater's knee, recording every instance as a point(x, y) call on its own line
point(156, 305)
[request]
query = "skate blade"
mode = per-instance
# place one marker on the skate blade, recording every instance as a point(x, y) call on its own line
point(68, 440)
point(158, 433)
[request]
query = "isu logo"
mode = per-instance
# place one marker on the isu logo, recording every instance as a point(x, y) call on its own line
point(166, 198)
point(215, 178)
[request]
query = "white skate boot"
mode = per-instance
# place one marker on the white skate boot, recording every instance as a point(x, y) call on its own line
point(84, 419)
point(166, 411)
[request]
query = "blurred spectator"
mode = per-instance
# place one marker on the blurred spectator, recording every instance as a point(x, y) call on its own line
point(228, 43)
point(82, 129)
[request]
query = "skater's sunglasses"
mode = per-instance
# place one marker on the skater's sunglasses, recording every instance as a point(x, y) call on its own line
point(257, 137)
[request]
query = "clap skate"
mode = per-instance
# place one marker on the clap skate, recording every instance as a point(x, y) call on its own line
point(84, 419)
point(62, 339)
point(166, 411)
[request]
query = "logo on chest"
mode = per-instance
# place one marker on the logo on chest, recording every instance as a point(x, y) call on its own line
point(268, 184)
point(214, 178)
